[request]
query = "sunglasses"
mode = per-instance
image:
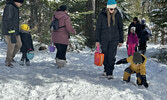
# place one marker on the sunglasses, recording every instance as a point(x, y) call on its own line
point(137, 63)
point(112, 9)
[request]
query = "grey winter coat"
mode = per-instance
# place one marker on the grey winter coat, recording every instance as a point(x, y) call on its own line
point(104, 33)
point(10, 20)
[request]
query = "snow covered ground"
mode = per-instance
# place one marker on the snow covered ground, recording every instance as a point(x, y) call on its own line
point(79, 80)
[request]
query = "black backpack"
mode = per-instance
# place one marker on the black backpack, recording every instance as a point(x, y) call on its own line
point(55, 25)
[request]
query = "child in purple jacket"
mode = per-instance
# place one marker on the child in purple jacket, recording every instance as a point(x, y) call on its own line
point(132, 41)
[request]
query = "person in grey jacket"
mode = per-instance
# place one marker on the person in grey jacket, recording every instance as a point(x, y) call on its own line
point(108, 35)
point(10, 29)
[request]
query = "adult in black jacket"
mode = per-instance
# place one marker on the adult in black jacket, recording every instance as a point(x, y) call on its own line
point(143, 39)
point(136, 24)
point(10, 28)
point(27, 44)
point(108, 35)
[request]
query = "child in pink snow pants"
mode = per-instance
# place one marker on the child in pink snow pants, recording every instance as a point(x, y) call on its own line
point(132, 41)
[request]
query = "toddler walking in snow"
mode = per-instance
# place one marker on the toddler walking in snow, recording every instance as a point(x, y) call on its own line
point(132, 41)
point(27, 44)
point(137, 66)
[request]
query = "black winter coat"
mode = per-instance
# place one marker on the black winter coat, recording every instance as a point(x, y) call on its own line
point(10, 20)
point(144, 36)
point(27, 42)
point(104, 33)
point(138, 28)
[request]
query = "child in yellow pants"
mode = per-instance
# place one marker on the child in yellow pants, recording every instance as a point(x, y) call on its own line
point(137, 66)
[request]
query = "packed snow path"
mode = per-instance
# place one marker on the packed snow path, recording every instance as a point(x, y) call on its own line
point(79, 80)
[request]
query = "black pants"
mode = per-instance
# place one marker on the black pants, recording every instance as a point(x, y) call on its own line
point(142, 47)
point(110, 50)
point(61, 51)
point(24, 56)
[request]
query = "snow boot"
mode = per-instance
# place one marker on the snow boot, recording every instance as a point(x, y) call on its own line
point(8, 64)
point(110, 77)
point(104, 74)
point(22, 62)
point(27, 63)
point(60, 63)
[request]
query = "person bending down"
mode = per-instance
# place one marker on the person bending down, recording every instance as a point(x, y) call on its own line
point(137, 66)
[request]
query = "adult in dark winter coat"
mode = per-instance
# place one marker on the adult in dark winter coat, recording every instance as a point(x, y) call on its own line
point(27, 44)
point(136, 24)
point(10, 28)
point(143, 39)
point(108, 35)
point(60, 37)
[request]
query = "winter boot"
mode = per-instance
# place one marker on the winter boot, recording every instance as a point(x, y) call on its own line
point(60, 63)
point(8, 64)
point(110, 77)
point(27, 63)
point(104, 74)
point(22, 62)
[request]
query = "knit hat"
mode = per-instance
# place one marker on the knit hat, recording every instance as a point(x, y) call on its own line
point(137, 58)
point(133, 28)
point(63, 8)
point(111, 4)
point(135, 19)
point(20, 1)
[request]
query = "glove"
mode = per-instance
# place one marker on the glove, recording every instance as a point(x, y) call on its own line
point(118, 62)
point(13, 38)
point(30, 49)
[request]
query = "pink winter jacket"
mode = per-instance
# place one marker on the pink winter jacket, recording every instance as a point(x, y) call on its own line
point(132, 39)
point(62, 35)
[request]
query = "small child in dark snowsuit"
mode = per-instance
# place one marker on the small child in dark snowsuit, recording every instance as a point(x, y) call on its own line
point(132, 41)
point(27, 44)
point(137, 66)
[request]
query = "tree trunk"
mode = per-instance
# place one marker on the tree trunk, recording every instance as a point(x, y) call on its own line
point(89, 31)
point(163, 38)
point(155, 38)
point(34, 12)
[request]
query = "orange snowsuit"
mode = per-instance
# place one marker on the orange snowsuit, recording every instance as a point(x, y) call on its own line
point(140, 70)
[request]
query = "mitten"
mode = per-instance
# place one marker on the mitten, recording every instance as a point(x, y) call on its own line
point(118, 62)
point(29, 49)
point(122, 61)
point(13, 38)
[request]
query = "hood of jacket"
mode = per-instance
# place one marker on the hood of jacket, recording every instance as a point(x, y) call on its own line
point(104, 11)
point(60, 14)
point(12, 3)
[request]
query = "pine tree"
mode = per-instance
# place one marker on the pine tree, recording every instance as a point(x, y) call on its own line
point(158, 17)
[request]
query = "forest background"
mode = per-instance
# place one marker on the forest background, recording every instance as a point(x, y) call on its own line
point(84, 13)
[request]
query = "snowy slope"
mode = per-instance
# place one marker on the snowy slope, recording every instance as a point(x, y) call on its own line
point(79, 80)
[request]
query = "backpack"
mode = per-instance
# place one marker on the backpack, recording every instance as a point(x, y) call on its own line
point(55, 24)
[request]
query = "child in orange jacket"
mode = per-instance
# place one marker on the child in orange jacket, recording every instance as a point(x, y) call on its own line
point(137, 66)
